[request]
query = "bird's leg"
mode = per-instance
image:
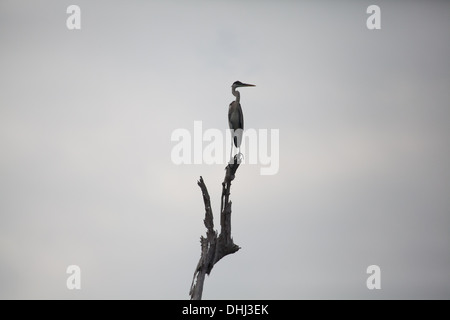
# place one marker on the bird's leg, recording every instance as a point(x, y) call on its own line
point(231, 152)
point(240, 156)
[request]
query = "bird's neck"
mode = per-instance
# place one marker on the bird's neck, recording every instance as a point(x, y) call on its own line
point(236, 94)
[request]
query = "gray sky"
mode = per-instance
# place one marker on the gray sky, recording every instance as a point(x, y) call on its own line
point(86, 118)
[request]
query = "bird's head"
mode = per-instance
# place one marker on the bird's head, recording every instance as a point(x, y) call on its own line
point(238, 84)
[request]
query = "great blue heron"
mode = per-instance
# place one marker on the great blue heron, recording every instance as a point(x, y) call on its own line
point(236, 118)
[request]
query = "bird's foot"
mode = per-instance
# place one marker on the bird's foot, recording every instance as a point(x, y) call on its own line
point(237, 159)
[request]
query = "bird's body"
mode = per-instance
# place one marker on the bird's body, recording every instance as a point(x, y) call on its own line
point(236, 122)
point(236, 117)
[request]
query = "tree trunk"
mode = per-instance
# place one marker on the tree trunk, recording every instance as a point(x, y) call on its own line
point(214, 247)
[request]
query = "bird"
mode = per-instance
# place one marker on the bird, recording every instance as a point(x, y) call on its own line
point(236, 117)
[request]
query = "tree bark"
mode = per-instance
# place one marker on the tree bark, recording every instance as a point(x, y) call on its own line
point(214, 247)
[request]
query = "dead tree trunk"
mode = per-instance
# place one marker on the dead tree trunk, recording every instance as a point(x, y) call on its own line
point(214, 247)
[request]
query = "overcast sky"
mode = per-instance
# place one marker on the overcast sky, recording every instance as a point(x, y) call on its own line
point(87, 179)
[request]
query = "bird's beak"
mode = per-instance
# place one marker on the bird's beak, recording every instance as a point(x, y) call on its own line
point(247, 85)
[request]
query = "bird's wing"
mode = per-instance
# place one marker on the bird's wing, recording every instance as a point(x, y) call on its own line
point(241, 117)
point(236, 122)
point(230, 111)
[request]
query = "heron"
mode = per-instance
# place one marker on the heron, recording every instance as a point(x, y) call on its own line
point(236, 117)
